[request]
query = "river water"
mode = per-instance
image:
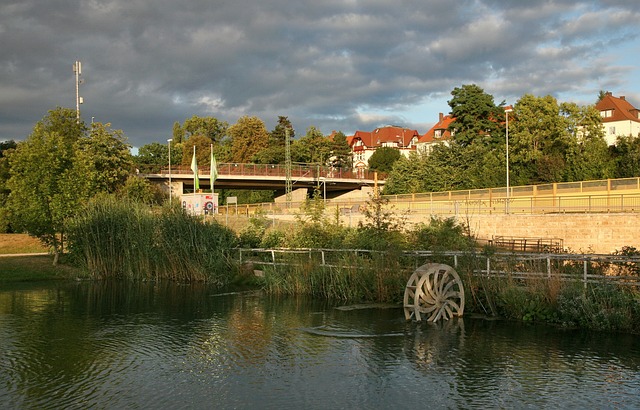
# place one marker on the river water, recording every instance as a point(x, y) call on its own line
point(122, 345)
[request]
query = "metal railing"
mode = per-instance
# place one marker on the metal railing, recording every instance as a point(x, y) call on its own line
point(585, 268)
point(603, 196)
point(265, 170)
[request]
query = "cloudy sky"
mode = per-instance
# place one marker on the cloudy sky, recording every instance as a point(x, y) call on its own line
point(334, 64)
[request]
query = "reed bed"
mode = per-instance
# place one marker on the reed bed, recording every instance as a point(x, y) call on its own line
point(351, 278)
point(116, 238)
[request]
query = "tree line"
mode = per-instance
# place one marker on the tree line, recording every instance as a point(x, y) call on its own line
point(548, 142)
point(246, 141)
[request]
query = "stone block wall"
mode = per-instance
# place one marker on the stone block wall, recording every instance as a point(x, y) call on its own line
point(588, 233)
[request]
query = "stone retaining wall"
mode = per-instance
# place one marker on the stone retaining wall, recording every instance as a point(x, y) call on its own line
point(589, 233)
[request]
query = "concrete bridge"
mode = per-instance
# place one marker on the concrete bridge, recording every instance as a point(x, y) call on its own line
point(332, 182)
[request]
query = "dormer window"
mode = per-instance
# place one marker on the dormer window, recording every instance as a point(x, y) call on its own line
point(606, 113)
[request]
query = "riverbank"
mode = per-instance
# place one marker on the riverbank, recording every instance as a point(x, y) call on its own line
point(24, 259)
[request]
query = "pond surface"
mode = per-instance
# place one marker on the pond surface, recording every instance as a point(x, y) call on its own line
point(118, 345)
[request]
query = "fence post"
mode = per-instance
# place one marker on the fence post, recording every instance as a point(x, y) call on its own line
point(488, 266)
point(273, 256)
point(455, 261)
point(323, 263)
point(548, 267)
point(585, 273)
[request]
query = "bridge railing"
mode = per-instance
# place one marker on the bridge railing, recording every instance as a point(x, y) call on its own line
point(613, 203)
point(268, 170)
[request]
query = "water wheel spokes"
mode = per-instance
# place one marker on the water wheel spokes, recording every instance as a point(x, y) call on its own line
point(435, 291)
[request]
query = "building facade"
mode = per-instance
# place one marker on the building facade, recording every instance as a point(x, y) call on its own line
point(619, 117)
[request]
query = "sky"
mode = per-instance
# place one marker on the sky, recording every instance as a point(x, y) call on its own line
point(341, 65)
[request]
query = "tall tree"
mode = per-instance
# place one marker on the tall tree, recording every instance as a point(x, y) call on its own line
point(42, 182)
point(278, 134)
point(154, 154)
point(476, 117)
point(626, 154)
point(314, 147)
point(538, 141)
point(203, 151)
point(588, 156)
point(209, 127)
point(249, 136)
point(275, 152)
point(383, 159)
point(341, 151)
point(103, 160)
point(6, 147)
point(177, 133)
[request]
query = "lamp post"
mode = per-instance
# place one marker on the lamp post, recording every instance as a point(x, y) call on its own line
point(324, 188)
point(506, 113)
point(170, 186)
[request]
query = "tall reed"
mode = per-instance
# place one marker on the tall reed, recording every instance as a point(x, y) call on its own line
point(350, 278)
point(192, 250)
point(113, 238)
point(123, 239)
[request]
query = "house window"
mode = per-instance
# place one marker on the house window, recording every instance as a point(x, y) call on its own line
point(437, 133)
point(612, 130)
point(606, 113)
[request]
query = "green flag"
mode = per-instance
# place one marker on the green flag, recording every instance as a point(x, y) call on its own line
point(214, 169)
point(194, 168)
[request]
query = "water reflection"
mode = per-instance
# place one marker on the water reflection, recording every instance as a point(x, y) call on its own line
point(116, 345)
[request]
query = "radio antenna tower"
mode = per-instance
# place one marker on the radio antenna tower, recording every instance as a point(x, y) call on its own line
point(77, 70)
point(287, 166)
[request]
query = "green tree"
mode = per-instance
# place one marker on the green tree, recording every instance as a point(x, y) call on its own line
point(203, 151)
point(209, 127)
point(275, 152)
point(341, 151)
point(626, 155)
point(278, 135)
point(153, 155)
point(538, 140)
point(6, 147)
point(103, 160)
point(177, 133)
point(588, 156)
point(383, 159)
point(43, 185)
point(313, 148)
point(139, 189)
point(249, 136)
point(476, 117)
point(407, 175)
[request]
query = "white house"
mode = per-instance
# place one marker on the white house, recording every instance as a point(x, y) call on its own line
point(619, 118)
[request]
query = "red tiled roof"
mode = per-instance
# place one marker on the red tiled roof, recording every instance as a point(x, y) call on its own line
point(443, 126)
point(382, 135)
point(621, 109)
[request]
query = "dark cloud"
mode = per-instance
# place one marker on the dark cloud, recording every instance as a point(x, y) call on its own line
point(337, 64)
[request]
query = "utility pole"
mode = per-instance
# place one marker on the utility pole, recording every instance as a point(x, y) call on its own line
point(77, 69)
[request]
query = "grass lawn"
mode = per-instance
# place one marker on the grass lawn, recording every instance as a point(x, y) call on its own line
point(17, 268)
point(12, 243)
point(34, 268)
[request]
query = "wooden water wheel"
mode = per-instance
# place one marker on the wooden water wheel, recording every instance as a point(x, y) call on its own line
point(434, 291)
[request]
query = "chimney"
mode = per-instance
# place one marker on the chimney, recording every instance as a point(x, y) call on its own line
point(622, 98)
point(441, 117)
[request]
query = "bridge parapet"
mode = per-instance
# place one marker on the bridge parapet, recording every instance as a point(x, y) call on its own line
point(272, 170)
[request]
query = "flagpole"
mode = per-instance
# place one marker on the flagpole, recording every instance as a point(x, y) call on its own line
point(211, 171)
